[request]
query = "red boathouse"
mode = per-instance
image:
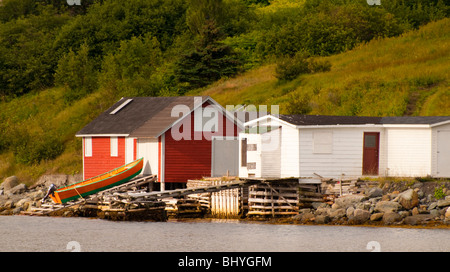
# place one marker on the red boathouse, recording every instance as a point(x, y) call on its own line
point(176, 136)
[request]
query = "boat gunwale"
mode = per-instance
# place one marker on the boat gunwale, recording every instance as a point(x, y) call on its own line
point(75, 186)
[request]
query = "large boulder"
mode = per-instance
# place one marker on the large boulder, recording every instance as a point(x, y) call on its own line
point(408, 199)
point(9, 183)
point(57, 179)
point(387, 206)
point(346, 201)
point(376, 216)
point(360, 216)
point(417, 219)
point(391, 218)
point(443, 202)
point(21, 188)
point(337, 213)
point(374, 192)
point(447, 214)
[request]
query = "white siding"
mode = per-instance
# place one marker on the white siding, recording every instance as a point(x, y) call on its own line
point(148, 149)
point(408, 152)
point(345, 158)
point(270, 154)
point(129, 150)
point(438, 147)
point(290, 151)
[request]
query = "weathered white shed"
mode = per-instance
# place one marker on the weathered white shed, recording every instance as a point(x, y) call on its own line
point(332, 146)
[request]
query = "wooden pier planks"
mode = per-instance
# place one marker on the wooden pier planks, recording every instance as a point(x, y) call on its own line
point(134, 184)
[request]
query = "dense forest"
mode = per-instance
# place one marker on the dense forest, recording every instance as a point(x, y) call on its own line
point(61, 64)
point(167, 47)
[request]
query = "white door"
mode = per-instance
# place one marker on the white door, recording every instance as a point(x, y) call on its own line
point(148, 149)
point(443, 153)
point(225, 152)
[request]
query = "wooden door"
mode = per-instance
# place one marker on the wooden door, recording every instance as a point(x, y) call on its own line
point(371, 152)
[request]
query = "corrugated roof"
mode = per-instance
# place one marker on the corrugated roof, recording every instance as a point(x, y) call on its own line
point(317, 120)
point(142, 116)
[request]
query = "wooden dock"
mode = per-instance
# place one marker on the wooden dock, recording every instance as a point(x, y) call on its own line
point(224, 197)
point(105, 203)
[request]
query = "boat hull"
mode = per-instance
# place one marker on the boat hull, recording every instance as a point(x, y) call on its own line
point(99, 183)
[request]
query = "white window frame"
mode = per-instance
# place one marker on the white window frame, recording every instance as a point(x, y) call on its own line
point(114, 142)
point(88, 146)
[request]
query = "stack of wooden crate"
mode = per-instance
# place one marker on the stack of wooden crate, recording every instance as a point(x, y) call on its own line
point(273, 199)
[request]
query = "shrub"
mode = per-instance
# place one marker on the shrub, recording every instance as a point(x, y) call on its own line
point(439, 192)
point(291, 68)
point(31, 149)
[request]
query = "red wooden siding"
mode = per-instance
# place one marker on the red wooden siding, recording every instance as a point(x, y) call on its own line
point(190, 159)
point(101, 160)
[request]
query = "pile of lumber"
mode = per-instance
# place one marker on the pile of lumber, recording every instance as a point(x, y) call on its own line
point(183, 208)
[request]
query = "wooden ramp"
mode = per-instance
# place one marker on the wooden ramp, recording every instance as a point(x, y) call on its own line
point(48, 208)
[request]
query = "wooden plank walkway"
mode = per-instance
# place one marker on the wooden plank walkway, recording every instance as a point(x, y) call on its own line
point(188, 191)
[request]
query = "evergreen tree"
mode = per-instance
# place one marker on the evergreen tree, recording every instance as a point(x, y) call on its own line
point(208, 61)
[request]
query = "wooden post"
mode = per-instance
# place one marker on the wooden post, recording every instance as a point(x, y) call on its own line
point(271, 200)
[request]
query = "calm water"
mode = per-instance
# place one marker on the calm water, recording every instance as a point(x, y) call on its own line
point(25, 233)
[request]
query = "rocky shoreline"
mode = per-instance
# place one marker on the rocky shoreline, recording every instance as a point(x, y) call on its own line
point(391, 203)
point(394, 203)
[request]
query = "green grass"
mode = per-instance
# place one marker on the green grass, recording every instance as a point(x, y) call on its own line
point(44, 114)
point(406, 75)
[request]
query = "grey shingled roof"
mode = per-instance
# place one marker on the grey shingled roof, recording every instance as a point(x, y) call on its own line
point(143, 116)
point(317, 120)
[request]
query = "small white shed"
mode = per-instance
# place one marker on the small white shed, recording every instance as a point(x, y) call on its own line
point(331, 146)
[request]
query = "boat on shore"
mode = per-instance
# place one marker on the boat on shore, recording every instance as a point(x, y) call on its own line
point(98, 183)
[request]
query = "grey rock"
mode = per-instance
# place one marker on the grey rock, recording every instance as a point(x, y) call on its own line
point(408, 199)
point(322, 219)
point(306, 217)
point(322, 211)
point(447, 214)
point(19, 189)
point(432, 206)
point(305, 210)
point(57, 179)
point(17, 210)
point(338, 213)
point(374, 192)
point(376, 216)
point(9, 183)
point(443, 203)
point(360, 216)
point(435, 213)
point(387, 206)
point(349, 200)
point(317, 205)
point(350, 211)
point(391, 218)
point(417, 219)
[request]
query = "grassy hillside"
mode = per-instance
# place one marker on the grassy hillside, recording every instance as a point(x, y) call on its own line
point(405, 75)
point(42, 122)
